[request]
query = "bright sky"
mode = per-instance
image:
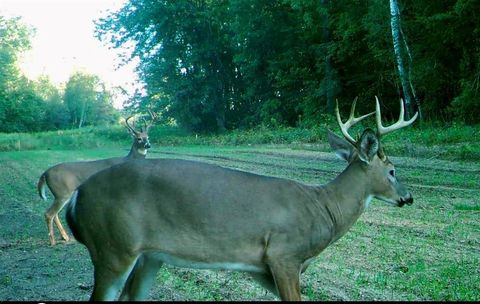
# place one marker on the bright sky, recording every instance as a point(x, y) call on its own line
point(64, 41)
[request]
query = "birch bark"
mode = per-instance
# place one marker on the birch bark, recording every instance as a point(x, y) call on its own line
point(396, 35)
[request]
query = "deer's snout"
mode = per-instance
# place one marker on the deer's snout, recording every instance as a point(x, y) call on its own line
point(408, 199)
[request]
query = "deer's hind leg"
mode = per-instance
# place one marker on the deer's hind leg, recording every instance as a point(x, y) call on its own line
point(61, 229)
point(51, 215)
point(141, 278)
point(110, 275)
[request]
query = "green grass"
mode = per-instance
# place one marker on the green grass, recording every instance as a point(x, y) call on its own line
point(468, 207)
point(455, 142)
point(427, 251)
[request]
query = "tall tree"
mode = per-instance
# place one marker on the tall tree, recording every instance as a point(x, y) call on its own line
point(15, 38)
point(397, 46)
point(21, 110)
point(87, 100)
point(182, 48)
point(57, 114)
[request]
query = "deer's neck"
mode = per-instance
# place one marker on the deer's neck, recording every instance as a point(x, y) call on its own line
point(136, 153)
point(345, 198)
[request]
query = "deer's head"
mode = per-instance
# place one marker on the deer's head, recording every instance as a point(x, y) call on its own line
point(366, 154)
point(140, 137)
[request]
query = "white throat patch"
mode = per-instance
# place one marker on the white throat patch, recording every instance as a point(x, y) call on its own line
point(368, 200)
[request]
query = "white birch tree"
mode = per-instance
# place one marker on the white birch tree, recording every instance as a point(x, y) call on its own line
point(397, 47)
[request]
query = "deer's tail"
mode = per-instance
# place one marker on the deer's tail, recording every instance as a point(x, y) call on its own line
point(71, 218)
point(42, 184)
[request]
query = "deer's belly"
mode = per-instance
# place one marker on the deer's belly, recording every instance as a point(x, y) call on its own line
point(180, 262)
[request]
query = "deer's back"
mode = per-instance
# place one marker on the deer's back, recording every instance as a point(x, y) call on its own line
point(64, 178)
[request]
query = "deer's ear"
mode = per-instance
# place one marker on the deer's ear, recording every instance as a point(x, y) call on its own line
point(368, 145)
point(343, 149)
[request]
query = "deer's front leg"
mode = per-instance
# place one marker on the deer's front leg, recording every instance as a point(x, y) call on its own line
point(287, 278)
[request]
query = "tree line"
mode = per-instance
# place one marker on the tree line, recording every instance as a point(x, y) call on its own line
point(226, 64)
point(40, 105)
point(216, 65)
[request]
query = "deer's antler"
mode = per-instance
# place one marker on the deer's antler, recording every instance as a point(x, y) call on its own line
point(381, 130)
point(129, 126)
point(153, 117)
point(350, 122)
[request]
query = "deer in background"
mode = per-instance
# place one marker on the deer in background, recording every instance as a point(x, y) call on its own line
point(138, 215)
point(64, 178)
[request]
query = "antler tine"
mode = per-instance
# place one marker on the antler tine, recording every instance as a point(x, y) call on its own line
point(145, 125)
point(129, 126)
point(152, 115)
point(401, 123)
point(154, 118)
point(350, 122)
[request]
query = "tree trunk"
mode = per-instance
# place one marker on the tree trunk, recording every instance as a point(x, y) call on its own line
point(220, 118)
point(219, 107)
point(328, 65)
point(219, 75)
point(395, 24)
point(82, 115)
point(412, 88)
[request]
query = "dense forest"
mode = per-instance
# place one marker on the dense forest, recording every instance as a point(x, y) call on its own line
point(214, 65)
point(219, 65)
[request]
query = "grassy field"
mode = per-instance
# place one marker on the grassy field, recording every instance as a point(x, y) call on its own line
point(427, 251)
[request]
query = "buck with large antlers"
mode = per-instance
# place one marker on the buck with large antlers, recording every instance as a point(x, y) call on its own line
point(64, 178)
point(135, 216)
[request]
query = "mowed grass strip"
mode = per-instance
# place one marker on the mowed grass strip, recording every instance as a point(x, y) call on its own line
point(427, 251)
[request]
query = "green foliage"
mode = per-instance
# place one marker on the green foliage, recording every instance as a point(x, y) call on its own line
point(184, 60)
point(465, 107)
point(87, 100)
point(87, 137)
point(56, 112)
point(29, 106)
point(457, 142)
point(211, 65)
point(23, 109)
point(15, 91)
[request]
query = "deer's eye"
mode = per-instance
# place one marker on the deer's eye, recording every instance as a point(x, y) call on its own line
point(139, 139)
point(392, 173)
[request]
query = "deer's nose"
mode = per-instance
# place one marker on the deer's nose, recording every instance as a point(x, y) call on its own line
point(147, 145)
point(406, 200)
